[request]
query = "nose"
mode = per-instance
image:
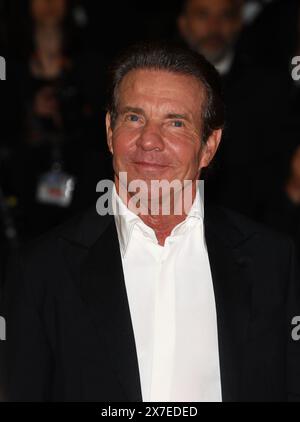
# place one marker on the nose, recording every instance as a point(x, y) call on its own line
point(150, 138)
point(214, 25)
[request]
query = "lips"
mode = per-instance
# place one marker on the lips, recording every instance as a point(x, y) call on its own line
point(150, 164)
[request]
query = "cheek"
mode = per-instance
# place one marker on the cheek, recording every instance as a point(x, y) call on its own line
point(228, 30)
point(123, 150)
point(198, 27)
point(193, 163)
point(120, 149)
point(122, 143)
point(187, 152)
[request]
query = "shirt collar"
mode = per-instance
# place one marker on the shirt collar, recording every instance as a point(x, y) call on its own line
point(126, 220)
point(224, 66)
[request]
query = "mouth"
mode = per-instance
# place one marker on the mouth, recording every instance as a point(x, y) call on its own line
point(147, 165)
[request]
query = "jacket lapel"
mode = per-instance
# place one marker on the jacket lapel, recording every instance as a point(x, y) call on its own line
point(231, 278)
point(104, 292)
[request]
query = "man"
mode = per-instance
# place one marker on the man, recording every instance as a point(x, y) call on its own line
point(245, 168)
point(212, 27)
point(156, 306)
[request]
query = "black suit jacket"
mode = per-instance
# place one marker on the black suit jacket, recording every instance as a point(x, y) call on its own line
point(69, 331)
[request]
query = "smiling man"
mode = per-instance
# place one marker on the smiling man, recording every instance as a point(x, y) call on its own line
point(143, 306)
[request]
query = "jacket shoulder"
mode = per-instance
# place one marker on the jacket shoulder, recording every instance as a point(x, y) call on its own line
point(42, 262)
point(235, 227)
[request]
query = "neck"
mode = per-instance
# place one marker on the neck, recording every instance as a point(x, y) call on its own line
point(46, 28)
point(162, 224)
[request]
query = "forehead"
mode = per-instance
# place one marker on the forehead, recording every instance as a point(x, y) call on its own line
point(214, 6)
point(160, 87)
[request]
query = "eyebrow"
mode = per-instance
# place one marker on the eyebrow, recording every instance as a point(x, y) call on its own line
point(178, 116)
point(129, 109)
point(137, 110)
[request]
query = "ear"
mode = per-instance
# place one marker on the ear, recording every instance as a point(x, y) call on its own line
point(109, 133)
point(210, 148)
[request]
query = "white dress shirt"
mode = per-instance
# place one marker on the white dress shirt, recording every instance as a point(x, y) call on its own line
point(172, 305)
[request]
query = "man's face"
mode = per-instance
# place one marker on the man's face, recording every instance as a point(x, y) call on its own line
point(157, 134)
point(211, 26)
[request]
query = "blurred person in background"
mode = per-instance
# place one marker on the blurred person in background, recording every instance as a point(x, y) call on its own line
point(212, 27)
point(58, 91)
point(256, 99)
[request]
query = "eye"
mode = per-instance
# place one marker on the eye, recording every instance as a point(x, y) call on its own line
point(201, 14)
point(132, 118)
point(177, 123)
